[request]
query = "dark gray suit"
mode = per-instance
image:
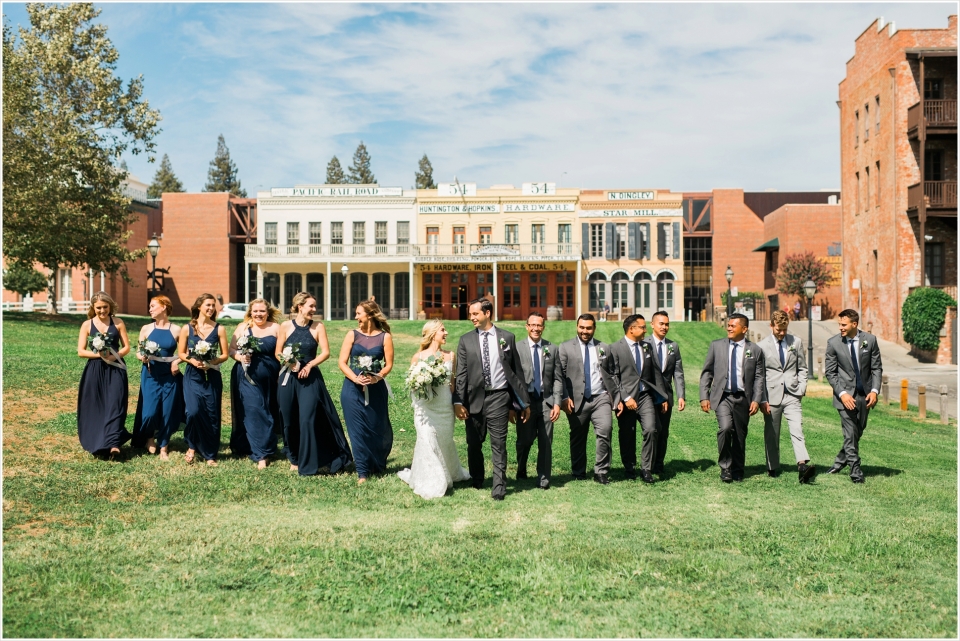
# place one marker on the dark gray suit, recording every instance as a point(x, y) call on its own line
point(839, 370)
point(622, 367)
point(672, 374)
point(539, 427)
point(597, 409)
point(488, 410)
point(733, 410)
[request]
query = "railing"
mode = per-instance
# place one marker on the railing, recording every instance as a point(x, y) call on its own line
point(938, 113)
point(486, 252)
point(941, 194)
point(293, 253)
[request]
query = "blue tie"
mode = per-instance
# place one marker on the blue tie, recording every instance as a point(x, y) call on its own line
point(733, 370)
point(639, 360)
point(537, 381)
point(783, 361)
point(587, 389)
point(660, 354)
point(856, 365)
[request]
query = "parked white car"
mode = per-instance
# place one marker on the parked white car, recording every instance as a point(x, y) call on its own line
point(233, 311)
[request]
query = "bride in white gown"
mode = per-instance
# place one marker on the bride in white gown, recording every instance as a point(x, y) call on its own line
point(436, 465)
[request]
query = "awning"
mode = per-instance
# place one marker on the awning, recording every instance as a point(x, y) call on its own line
point(770, 244)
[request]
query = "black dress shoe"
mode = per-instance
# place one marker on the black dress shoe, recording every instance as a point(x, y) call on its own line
point(521, 475)
point(647, 476)
point(545, 485)
point(477, 485)
point(579, 477)
point(601, 479)
point(856, 474)
point(773, 473)
point(497, 498)
point(726, 477)
point(837, 468)
point(631, 474)
point(806, 473)
point(738, 478)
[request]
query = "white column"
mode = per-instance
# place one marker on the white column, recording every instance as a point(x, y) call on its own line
point(496, 289)
point(579, 288)
point(411, 294)
point(370, 282)
point(328, 311)
point(246, 279)
point(631, 297)
point(90, 281)
point(283, 288)
point(259, 280)
point(103, 285)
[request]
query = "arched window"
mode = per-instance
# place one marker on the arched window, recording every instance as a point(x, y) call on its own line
point(598, 290)
point(271, 288)
point(315, 289)
point(620, 283)
point(665, 291)
point(643, 290)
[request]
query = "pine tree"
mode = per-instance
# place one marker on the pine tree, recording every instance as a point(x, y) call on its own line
point(425, 175)
point(222, 175)
point(359, 172)
point(335, 172)
point(164, 181)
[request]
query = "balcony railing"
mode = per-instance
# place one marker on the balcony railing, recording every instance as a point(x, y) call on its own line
point(488, 252)
point(940, 194)
point(939, 113)
point(294, 253)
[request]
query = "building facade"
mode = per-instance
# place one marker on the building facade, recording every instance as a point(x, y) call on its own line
point(898, 152)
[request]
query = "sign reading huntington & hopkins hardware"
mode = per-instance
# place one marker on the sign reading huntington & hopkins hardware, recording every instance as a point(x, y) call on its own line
point(458, 208)
point(537, 207)
point(338, 191)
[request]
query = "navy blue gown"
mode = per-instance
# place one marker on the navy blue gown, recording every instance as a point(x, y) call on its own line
point(371, 434)
point(312, 432)
point(160, 405)
point(102, 401)
point(254, 407)
point(202, 393)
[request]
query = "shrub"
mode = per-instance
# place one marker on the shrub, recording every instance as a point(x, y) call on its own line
point(923, 313)
point(742, 296)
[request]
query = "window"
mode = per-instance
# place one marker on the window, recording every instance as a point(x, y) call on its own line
point(598, 291)
point(432, 296)
point(358, 290)
point(934, 263)
point(401, 291)
point(336, 241)
point(433, 240)
point(877, 174)
point(380, 236)
point(485, 235)
point(292, 285)
point(664, 291)
point(620, 285)
point(271, 287)
point(66, 284)
point(866, 122)
point(876, 112)
point(511, 234)
point(403, 235)
point(642, 288)
point(511, 289)
point(459, 240)
point(315, 289)
point(866, 186)
point(564, 291)
point(315, 233)
point(565, 237)
point(856, 130)
point(596, 241)
point(381, 291)
point(359, 232)
point(538, 234)
point(538, 290)
point(697, 268)
point(932, 89)
point(621, 248)
point(293, 238)
point(270, 233)
point(933, 165)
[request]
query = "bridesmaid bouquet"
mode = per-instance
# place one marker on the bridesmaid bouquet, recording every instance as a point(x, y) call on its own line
point(146, 349)
point(425, 377)
point(246, 346)
point(366, 365)
point(203, 352)
point(99, 343)
point(290, 356)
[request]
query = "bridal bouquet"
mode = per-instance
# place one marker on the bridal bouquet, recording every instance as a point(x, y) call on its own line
point(246, 346)
point(289, 357)
point(425, 377)
point(203, 352)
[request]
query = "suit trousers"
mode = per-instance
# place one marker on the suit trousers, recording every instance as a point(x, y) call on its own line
point(663, 432)
point(493, 419)
point(646, 415)
point(790, 410)
point(538, 428)
point(598, 411)
point(852, 422)
point(733, 417)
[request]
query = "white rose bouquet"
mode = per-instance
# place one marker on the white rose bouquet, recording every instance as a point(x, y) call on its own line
point(204, 352)
point(425, 377)
point(99, 343)
point(364, 366)
point(246, 346)
point(290, 357)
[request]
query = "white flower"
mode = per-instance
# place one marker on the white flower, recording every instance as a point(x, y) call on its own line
point(202, 348)
point(98, 343)
point(365, 362)
point(152, 347)
point(243, 341)
point(287, 353)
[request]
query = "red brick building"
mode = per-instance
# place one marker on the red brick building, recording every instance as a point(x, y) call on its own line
point(898, 154)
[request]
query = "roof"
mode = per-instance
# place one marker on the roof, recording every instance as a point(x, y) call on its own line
point(764, 202)
point(770, 244)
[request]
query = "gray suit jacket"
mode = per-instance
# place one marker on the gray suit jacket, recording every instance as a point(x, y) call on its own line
point(468, 389)
point(569, 373)
point(673, 372)
point(716, 369)
point(791, 377)
point(623, 369)
point(838, 367)
point(548, 360)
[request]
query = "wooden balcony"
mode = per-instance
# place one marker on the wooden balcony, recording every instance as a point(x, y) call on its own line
point(940, 115)
point(941, 197)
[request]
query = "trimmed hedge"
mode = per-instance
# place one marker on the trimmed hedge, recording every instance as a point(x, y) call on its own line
point(923, 314)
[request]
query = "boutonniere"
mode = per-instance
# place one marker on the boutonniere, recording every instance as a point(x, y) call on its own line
point(601, 352)
point(546, 352)
point(748, 354)
point(646, 347)
point(863, 344)
point(792, 348)
point(503, 345)
point(670, 349)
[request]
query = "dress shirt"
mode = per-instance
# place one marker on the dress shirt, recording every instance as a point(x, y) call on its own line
point(846, 346)
point(530, 345)
point(741, 348)
point(596, 382)
point(657, 349)
point(639, 364)
point(498, 380)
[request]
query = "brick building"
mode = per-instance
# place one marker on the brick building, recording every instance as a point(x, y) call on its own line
point(898, 154)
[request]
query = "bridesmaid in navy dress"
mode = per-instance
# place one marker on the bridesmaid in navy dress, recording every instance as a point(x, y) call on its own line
point(160, 405)
point(255, 409)
point(371, 434)
point(312, 431)
point(202, 382)
point(102, 401)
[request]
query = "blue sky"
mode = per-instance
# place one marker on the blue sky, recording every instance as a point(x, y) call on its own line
point(683, 97)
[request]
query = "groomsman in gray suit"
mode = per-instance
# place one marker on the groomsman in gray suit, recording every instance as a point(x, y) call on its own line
point(732, 384)
point(666, 354)
point(587, 395)
point(852, 365)
point(786, 374)
point(537, 359)
point(642, 396)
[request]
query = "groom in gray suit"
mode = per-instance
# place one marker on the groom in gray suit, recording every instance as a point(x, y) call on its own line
point(732, 384)
point(537, 358)
point(666, 353)
point(488, 384)
point(786, 376)
point(852, 365)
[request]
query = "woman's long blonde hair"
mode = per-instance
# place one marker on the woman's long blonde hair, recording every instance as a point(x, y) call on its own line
point(273, 314)
point(429, 331)
point(101, 296)
point(373, 310)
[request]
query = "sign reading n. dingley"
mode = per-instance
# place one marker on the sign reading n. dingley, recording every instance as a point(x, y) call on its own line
point(630, 195)
point(535, 207)
point(628, 213)
point(454, 189)
point(459, 209)
point(336, 191)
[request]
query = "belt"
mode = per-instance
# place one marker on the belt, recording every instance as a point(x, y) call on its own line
point(729, 393)
point(495, 391)
point(589, 399)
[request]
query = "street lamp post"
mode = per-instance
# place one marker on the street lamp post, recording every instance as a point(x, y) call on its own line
point(810, 289)
point(346, 291)
point(154, 248)
point(729, 275)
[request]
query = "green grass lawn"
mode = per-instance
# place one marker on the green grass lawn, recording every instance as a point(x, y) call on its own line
point(145, 548)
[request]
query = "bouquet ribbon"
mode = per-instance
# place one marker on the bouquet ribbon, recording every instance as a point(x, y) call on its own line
point(366, 392)
point(246, 375)
point(117, 363)
point(285, 372)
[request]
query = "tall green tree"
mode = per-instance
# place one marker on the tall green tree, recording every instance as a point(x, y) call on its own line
point(23, 279)
point(335, 175)
point(222, 175)
point(165, 181)
point(798, 268)
point(425, 174)
point(359, 172)
point(67, 121)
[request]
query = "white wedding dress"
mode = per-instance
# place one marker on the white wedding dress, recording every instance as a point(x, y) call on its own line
point(436, 464)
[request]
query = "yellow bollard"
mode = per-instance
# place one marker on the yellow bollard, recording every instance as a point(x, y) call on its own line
point(903, 394)
point(922, 401)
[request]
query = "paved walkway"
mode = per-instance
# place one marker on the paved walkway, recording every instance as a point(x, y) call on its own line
point(897, 364)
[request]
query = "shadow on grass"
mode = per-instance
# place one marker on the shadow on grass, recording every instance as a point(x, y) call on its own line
point(675, 467)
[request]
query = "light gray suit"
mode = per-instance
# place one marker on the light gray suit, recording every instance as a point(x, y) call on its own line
point(786, 384)
point(672, 374)
point(538, 427)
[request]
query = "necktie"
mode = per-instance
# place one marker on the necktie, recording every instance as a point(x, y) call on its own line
point(638, 357)
point(487, 378)
point(856, 366)
point(537, 381)
point(660, 354)
point(587, 377)
point(783, 361)
point(733, 370)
